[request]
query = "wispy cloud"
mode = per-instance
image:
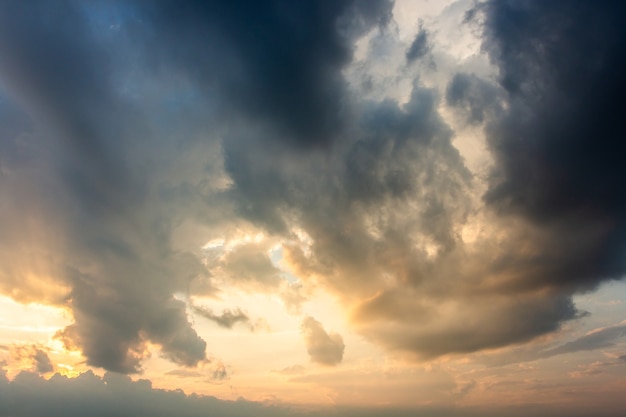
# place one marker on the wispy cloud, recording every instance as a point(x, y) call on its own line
point(227, 319)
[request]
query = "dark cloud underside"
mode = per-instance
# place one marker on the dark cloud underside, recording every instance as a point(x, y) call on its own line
point(558, 147)
point(114, 394)
point(555, 197)
point(279, 61)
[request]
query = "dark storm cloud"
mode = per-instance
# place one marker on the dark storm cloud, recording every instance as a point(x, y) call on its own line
point(220, 373)
point(475, 96)
point(76, 202)
point(384, 215)
point(101, 172)
point(442, 294)
point(274, 61)
point(124, 136)
point(554, 223)
point(559, 145)
point(400, 158)
point(554, 126)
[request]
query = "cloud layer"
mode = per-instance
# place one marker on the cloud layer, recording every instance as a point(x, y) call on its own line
point(135, 132)
point(116, 394)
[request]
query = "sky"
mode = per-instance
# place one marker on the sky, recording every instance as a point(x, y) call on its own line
point(314, 208)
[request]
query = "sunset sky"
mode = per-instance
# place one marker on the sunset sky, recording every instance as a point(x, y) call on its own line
point(313, 208)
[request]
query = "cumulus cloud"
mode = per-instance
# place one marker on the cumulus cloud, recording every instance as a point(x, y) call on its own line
point(553, 221)
point(101, 176)
point(82, 203)
point(324, 348)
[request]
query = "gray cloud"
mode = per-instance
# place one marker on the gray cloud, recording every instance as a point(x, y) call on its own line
point(42, 362)
point(324, 348)
point(419, 47)
point(250, 265)
point(553, 193)
point(29, 394)
point(278, 61)
point(112, 394)
point(400, 195)
point(479, 99)
point(411, 325)
point(91, 167)
point(34, 354)
point(556, 144)
point(220, 373)
point(82, 197)
point(227, 319)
